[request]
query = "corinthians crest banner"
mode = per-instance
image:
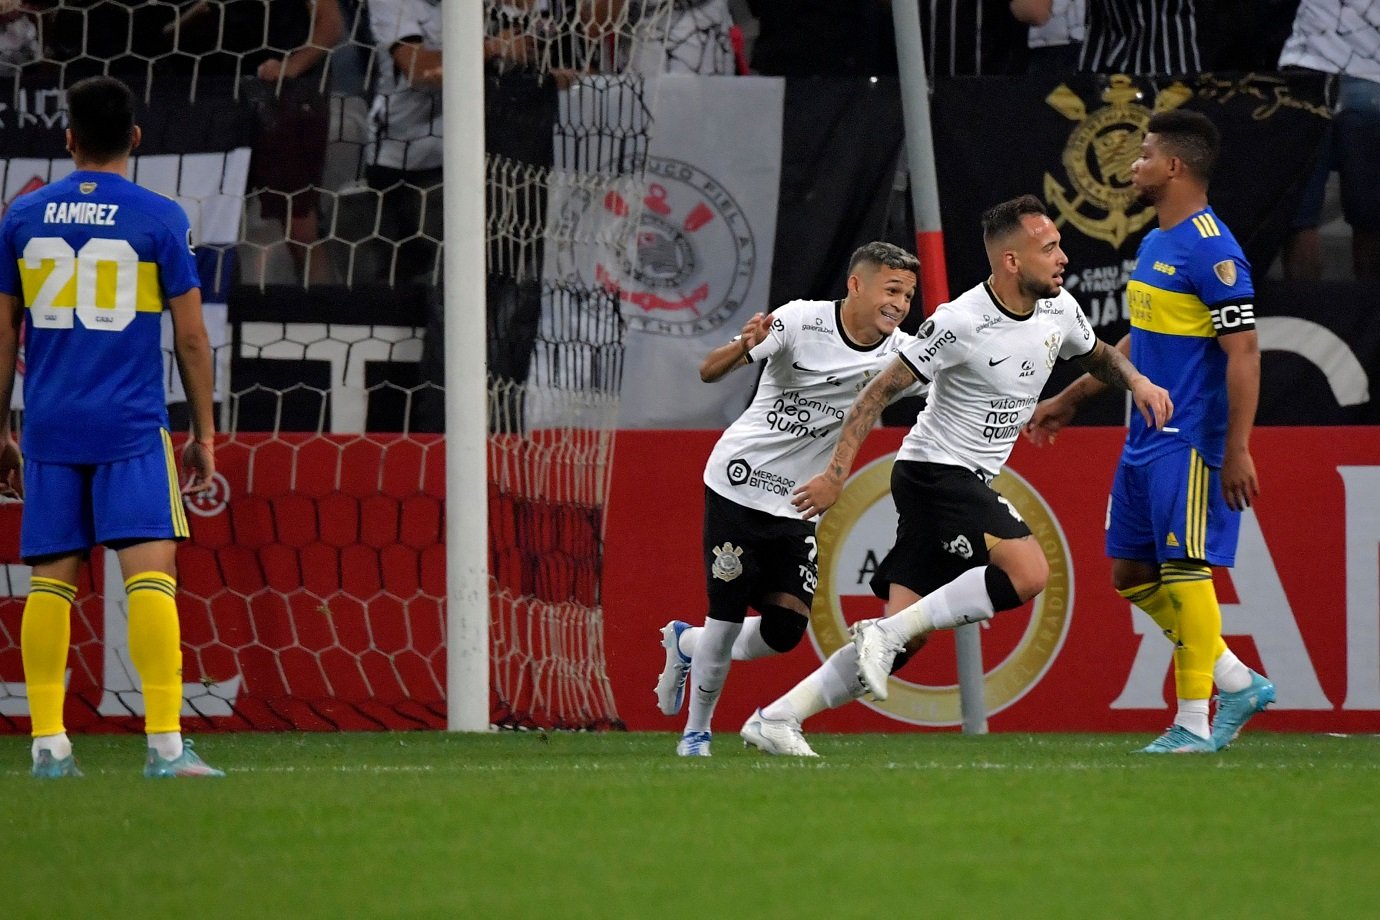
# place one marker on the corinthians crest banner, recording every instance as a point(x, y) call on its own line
point(684, 249)
point(1073, 143)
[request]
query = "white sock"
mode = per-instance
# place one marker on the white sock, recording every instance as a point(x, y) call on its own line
point(1229, 674)
point(749, 645)
point(60, 746)
point(1193, 715)
point(709, 670)
point(167, 744)
point(688, 639)
point(963, 600)
point(826, 687)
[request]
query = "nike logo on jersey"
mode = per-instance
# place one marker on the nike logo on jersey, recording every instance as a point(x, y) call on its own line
point(994, 362)
point(809, 370)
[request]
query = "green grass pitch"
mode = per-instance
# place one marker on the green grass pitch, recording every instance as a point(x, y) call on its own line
point(531, 825)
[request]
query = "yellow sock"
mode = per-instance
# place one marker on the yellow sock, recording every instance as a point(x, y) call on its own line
point(1156, 601)
point(155, 647)
point(45, 633)
point(1189, 585)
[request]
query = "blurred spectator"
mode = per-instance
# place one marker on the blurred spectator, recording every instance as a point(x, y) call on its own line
point(962, 37)
point(1341, 38)
point(800, 38)
point(965, 38)
point(291, 80)
point(18, 37)
point(537, 37)
point(1144, 36)
point(1055, 46)
point(693, 36)
point(1248, 35)
point(350, 60)
point(404, 155)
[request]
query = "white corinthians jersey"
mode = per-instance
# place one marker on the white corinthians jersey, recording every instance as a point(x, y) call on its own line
point(986, 367)
point(785, 436)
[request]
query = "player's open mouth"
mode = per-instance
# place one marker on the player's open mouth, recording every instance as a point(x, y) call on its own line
point(894, 317)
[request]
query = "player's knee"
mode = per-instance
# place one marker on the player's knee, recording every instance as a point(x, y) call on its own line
point(1005, 592)
point(1128, 574)
point(782, 629)
point(1034, 577)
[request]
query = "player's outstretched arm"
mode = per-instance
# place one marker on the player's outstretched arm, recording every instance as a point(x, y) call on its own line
point(1114, 369)
point(733, 354)
point(193, 349)
point(1239, 483)
point(1052, 414)
point(819, 494)
point(11, 317)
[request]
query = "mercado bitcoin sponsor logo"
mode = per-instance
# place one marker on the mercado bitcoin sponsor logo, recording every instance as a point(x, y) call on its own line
point(859, 530)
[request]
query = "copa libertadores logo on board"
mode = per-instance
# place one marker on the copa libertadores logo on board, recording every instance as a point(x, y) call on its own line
point(861, 527)
point(682, 256)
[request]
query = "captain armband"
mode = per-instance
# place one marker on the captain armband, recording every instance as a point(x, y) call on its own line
point(1232, 317)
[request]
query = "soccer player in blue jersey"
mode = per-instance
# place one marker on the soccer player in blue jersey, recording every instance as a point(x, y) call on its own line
point(88, 263)
point(1178, 493)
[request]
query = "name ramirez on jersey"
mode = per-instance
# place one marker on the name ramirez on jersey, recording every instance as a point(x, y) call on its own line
point(986, 367)
point(813, 373)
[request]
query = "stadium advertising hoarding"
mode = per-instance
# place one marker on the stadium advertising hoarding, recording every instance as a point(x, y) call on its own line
point(317, 603)
point(1303, 602)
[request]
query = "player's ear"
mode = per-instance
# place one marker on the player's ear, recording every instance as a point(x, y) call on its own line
point(67, 136)
point(136, 137)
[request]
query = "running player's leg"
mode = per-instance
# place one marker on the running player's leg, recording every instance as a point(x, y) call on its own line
point(989, 563)
point(731, 545)
point(55, 535)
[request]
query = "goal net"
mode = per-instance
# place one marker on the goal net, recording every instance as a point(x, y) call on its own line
point(313, 589)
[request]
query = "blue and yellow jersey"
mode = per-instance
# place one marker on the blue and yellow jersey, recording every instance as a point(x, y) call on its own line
point(1190, 285)
point(94, 258)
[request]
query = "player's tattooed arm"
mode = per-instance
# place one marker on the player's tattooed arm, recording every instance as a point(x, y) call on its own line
point(820, 493)
point(1109, 366)
point(1113, 368)
point(1053, 414)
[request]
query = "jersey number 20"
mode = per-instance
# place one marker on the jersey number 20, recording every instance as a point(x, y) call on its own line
point(106, 303)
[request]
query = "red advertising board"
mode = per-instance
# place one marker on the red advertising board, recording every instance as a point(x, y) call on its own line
point(1303, 602)
point(313, 592)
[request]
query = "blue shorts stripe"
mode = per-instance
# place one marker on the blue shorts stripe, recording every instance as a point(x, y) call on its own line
point(177, 509)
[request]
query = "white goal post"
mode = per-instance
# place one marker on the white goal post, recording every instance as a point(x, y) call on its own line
point(467, 535)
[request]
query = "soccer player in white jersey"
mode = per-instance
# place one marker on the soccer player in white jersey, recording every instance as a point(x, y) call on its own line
point(758, 553)
point(961, 552)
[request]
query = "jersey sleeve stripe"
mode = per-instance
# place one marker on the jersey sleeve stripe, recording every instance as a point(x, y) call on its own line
point(910, 365)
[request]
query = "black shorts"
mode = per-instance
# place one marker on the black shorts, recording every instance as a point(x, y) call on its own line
point(749, 554)
point(945, 515)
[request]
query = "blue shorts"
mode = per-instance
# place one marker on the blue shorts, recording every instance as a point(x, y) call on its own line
point(71, 507)
point(1171, 508)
